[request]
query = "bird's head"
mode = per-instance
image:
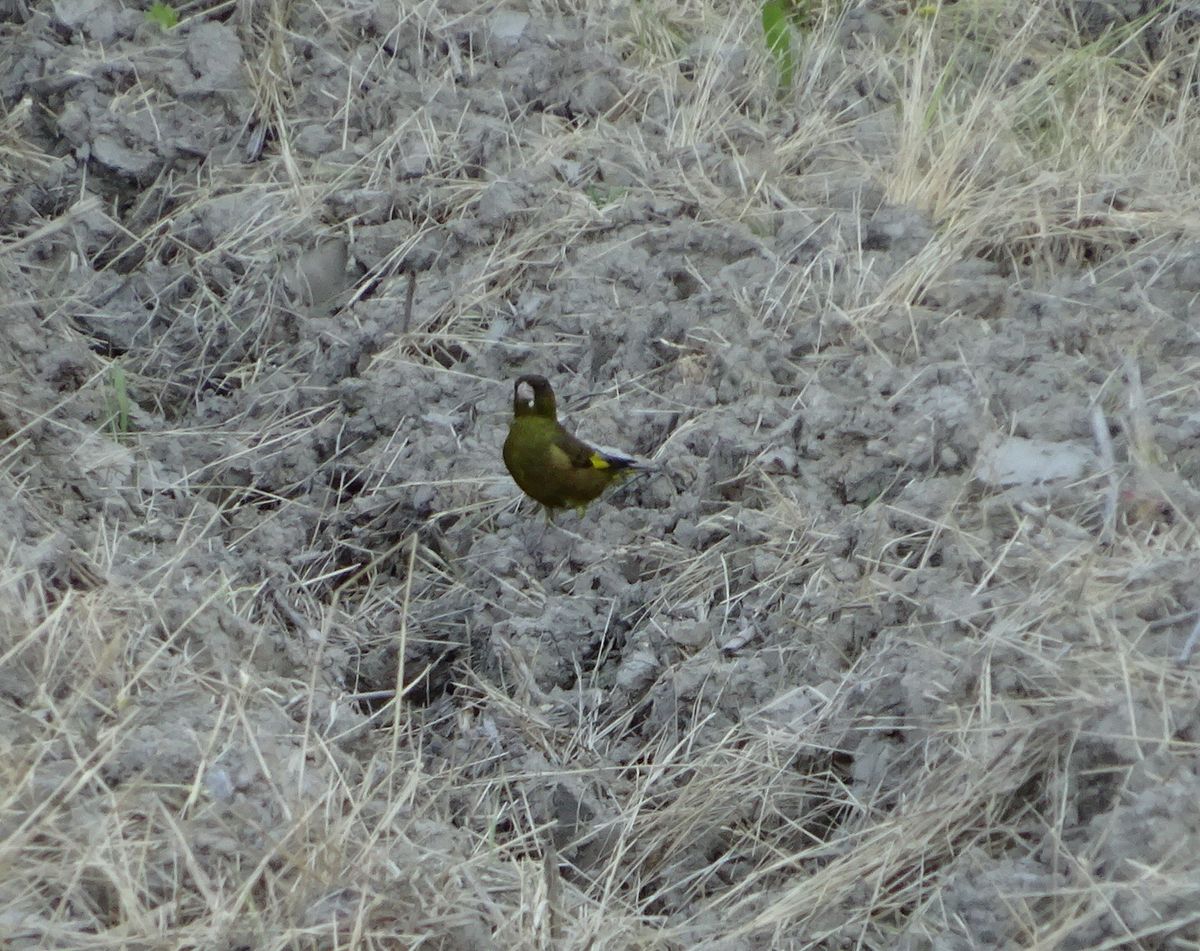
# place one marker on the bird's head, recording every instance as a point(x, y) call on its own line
point(533, 396)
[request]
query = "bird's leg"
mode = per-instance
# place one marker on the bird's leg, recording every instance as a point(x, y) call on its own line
point(542, 550)
point(549, 520)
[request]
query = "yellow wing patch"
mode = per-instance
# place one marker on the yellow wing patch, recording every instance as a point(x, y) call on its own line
point(599, 462)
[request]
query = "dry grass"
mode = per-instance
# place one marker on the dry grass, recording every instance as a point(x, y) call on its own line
point(947, 718)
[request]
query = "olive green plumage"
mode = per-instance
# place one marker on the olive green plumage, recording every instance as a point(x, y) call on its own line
point(551, 465)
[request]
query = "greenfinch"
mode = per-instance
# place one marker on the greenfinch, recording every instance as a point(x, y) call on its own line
point(549, 463)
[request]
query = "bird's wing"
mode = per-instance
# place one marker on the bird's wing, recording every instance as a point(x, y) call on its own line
point(573, 452)
point(620, 460)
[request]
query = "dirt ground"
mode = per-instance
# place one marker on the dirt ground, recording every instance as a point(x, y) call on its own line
point(892, 650)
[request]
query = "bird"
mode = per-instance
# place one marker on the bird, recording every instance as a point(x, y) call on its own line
point(549, 463)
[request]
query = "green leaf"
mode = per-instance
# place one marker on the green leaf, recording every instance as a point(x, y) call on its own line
point(777, 32)
point(163, 15)
point(602, 195)
point(118, 401)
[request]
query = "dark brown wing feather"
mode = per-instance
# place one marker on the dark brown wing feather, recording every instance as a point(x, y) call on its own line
point(578, 453)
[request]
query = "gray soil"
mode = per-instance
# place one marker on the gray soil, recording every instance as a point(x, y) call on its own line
point(883, 654)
